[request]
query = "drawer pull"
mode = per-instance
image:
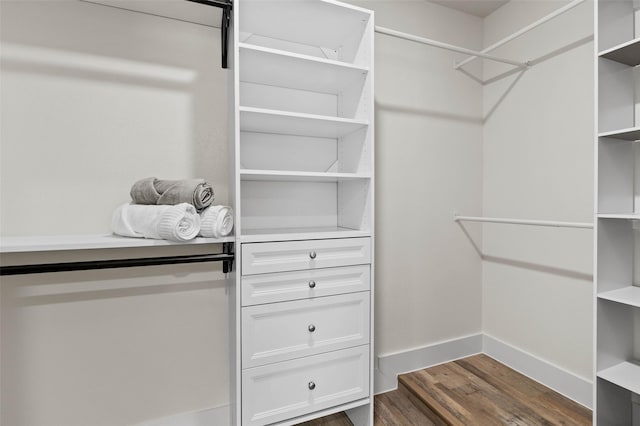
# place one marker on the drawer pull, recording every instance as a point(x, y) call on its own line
point(312, 284)
point(312, 254)
point(312, 385)
point(312, 328)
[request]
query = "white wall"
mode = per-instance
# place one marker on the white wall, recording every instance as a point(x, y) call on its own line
point(428, 164)
point(94, 98)
point(538, 163)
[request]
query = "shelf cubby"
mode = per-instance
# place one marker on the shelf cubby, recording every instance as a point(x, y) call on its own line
point(627, 53)
point(618, 178)
point(322, 29)
point(274, 67)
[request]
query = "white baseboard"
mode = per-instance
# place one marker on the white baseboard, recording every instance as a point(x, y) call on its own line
point(552, 376)
point(218, 416)
point(390, 365)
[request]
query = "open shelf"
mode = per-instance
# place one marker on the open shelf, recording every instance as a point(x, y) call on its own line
point(624, 216)
point(291, 234)
point(303, 26)
point(627, 295)
point(626, 53)
point(626, 375)
point(286, 176)
point(85, 242)
point(180, 10)
point(289, 123)
point(276, 67)
point(630, 134)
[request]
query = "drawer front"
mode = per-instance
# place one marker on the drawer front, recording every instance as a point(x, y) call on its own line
point(284, 286)
point(287, 330)
point(260, 258)
point(275, 392)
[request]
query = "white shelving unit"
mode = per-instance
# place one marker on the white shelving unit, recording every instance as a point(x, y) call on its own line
point(301, 138)
point(617, 235)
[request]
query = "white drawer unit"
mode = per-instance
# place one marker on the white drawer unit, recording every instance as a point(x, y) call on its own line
point(284, 286)
point(260, 258)
point(284, 390)
point(287, 330)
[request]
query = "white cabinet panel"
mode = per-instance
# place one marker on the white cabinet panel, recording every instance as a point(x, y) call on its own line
point(288, 389)
point(284, 286)
point(259, 258)
point(287, 330)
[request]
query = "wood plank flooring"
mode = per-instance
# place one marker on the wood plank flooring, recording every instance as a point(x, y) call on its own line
point(472, 391)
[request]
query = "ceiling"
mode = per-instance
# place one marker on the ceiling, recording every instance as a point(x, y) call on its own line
point(479, 8)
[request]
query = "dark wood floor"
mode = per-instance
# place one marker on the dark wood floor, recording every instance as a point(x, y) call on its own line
point(472, 391)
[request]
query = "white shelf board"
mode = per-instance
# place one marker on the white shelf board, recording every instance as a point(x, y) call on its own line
point(274, 67)
point(626, 53)
point(174, 9)
point(630, 134)
point(626, 375)
point(627, 295)
point(84, 242)
point(626, 216)
point(287, 176)
point(288, 123)
point(291, 234)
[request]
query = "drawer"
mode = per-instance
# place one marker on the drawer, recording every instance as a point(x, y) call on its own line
point(275, 392)
point(260, 258)
point(284, 286)
point(282, 331)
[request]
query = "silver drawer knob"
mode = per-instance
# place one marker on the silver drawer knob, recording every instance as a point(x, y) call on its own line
point(312, 284)
point(312, 328)
point(312, 385)
point(312, 254)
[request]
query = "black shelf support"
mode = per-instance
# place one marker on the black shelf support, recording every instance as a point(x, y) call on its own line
point(226, 257)
point(227, 7)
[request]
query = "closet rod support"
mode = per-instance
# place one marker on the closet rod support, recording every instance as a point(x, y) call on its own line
point(446, 46)
point(522, 31)
point(556, 224)
point(227, 7)
point(226, 257)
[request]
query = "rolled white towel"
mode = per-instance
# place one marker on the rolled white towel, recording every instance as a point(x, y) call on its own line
point(216, 221)
point(174, 223)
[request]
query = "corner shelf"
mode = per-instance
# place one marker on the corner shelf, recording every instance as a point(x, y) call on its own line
point(623, 216)
point(89, 242)
point(626, 53)
point(629, 134)
point(627, 295)
point(263, 65)
point(288, 123)
point(626, 375)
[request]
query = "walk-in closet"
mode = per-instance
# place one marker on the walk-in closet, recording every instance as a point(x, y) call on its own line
point(319, 212)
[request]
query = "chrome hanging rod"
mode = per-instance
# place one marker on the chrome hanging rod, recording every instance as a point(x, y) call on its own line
point(441, 45)
point(524, 30)
point(551, 223)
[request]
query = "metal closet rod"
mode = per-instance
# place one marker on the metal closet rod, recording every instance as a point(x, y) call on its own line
point(447, 46)
point(551, 223)
point(524, 30)
point(227, 258)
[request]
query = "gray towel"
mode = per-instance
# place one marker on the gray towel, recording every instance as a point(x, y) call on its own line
point(196, 192)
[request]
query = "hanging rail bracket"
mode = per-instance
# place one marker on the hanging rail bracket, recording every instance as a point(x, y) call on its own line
point(227, 7)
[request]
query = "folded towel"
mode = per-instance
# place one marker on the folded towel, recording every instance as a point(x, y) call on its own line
point(216, 221)
point(175, 223)
point(155, 191)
